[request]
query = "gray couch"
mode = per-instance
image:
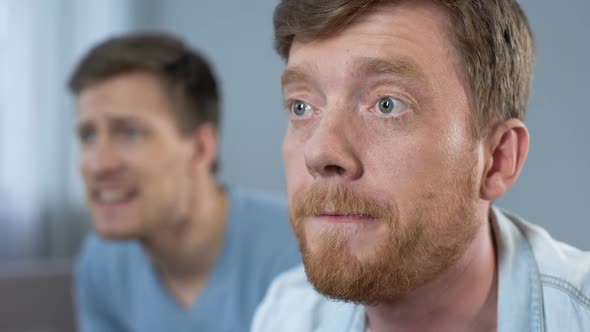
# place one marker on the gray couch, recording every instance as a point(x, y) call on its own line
point(36, 297)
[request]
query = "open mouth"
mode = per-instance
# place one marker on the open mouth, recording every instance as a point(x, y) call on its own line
point(113, 196)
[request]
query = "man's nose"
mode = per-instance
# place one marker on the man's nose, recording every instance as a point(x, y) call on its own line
point(329, 152)
point(103, 158)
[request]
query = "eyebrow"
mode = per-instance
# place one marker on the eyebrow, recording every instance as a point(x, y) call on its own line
point(116, 120)
point(405, 68)
point(295, 75)
point(369, 66)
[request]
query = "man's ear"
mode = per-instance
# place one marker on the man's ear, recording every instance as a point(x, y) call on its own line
point(205, 141)
point(506, 148)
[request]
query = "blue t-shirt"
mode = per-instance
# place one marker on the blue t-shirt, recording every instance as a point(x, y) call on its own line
point(118, 288)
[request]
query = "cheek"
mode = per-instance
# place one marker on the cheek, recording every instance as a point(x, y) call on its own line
point(84, 167)
point(172, 170)
point(295, 169)
point(155, 175)
point(86, 158)
point(411, 166)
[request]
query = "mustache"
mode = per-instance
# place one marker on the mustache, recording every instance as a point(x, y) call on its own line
point(340, 200)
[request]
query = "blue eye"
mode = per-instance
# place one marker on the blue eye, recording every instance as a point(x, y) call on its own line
point(87, 136)
point(299, 108)
point(390, 105)
point(132, 133)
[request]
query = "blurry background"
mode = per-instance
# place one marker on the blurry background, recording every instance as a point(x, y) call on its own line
point(42, 214)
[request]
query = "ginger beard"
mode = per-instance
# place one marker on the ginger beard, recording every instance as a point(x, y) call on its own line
point(430, 239)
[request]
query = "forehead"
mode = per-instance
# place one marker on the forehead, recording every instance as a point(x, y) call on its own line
point(135, 95)
point(410, 37)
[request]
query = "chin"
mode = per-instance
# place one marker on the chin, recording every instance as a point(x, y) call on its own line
point(114, 236)
point(111, 230)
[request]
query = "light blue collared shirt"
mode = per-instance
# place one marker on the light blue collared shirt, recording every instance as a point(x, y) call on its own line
point(544, 286)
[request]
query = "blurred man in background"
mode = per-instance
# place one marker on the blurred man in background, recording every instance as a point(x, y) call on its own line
point(174, 249)
point(406, 125)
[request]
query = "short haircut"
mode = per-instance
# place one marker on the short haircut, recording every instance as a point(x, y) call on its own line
point(185, 74)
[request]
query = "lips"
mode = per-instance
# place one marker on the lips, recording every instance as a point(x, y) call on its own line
point(349, 214)
point(345, 217)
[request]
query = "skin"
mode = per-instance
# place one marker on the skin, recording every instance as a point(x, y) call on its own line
point(146, 181)
point(409, 188)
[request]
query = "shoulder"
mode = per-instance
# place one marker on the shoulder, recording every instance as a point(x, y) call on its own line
point(105, 261)
point(101, 250)
point(555, 259)
point(564, 273)
point(292, 304)
point(258, 203)
point(260, 226)
point(261, 218)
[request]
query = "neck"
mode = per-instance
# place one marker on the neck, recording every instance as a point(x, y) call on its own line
point(185, 252)
point(463, 299)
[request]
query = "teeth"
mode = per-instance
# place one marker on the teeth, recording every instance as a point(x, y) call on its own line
point(111, 196)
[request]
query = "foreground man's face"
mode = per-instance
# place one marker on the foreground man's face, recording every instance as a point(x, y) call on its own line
point(380, 159)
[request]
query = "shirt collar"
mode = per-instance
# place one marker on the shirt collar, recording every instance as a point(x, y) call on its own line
point(520, 297)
